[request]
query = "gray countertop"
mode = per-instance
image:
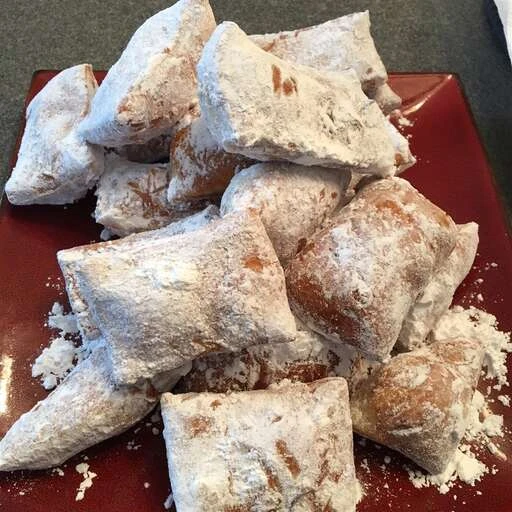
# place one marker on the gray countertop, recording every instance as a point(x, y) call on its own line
point(411, 35)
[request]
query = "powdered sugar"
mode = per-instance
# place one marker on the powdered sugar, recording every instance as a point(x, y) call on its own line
point(86, 483)
point(56, 360)
point(464, 467)
point(472, 323)
point(483, 427)
point(64, 322)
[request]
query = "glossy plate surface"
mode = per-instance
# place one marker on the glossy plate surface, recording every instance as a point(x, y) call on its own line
point(452, 171)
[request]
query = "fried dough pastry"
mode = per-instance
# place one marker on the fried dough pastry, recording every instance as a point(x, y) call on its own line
point(293, 201)
point(55, 165)
point(284, 111)
point(285, 448)
point(419, 402)
point(153, 84)
point(355, 281)
point(164, 302)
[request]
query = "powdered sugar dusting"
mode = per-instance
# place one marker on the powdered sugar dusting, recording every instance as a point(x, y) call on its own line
point(56, 360)
point(484, 428)
point(86, 483)
point(64, 322)
point(472, 323)
point(464, 467)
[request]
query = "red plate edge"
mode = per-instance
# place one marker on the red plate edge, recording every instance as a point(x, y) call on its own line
point(111, 491)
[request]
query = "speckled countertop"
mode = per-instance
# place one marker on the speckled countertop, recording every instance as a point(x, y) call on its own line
point(459, 36)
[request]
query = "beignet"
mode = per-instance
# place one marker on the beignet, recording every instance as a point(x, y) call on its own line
point(155, 150)
point(284, 111)
point(85, 409)
point(435, 300)
point(153, 84)
point(419, 402)
point(334, 46)
point(164, 302)
point(285, 448)
point(55, 165)
point(132, 197)
point(70, 259)
point(292, 201)
point(306, 359)
point(201, 169)
point(355, 281)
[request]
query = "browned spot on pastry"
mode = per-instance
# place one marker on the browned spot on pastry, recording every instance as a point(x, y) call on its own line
point(269, 47)
point(265, 376)
point(220, 165)
point(148, 194)
point(208, 346)
point(301, 244)
point(308, 246)
point(307, 371)
point(290, 86)
point(215, 404)
point(292, 145)
point(199, 425)
point(324, 470)
point(276, 79)
point(238, 508)
point(334, 195)
point(151, 392)
point(288, 458)
point(322, 194)
point(275, 419)
point(254, 263)
point(273, 481)
point(399, 159)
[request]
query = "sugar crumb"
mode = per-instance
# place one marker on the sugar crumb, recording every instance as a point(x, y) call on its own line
point(86, 483)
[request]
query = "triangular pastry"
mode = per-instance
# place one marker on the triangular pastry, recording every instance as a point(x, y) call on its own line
point(153, 84)
point(285, 111)
point(55, 164)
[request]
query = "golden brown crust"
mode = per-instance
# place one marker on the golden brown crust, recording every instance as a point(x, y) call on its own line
point(201, 168)
point(419, 402)
point(356, 280)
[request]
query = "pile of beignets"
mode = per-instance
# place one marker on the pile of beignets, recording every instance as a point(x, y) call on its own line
point(274, 284)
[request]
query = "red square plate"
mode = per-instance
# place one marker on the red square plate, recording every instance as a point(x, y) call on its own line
point(452, 171)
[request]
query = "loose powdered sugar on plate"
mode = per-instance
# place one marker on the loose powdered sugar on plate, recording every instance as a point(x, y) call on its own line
point(86, 483)
point(59, 357)
point(472, 323)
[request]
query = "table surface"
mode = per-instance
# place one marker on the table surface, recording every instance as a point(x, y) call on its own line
point(411, 35)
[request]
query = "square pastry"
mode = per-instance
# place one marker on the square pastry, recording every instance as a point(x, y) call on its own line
point(285, 448)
